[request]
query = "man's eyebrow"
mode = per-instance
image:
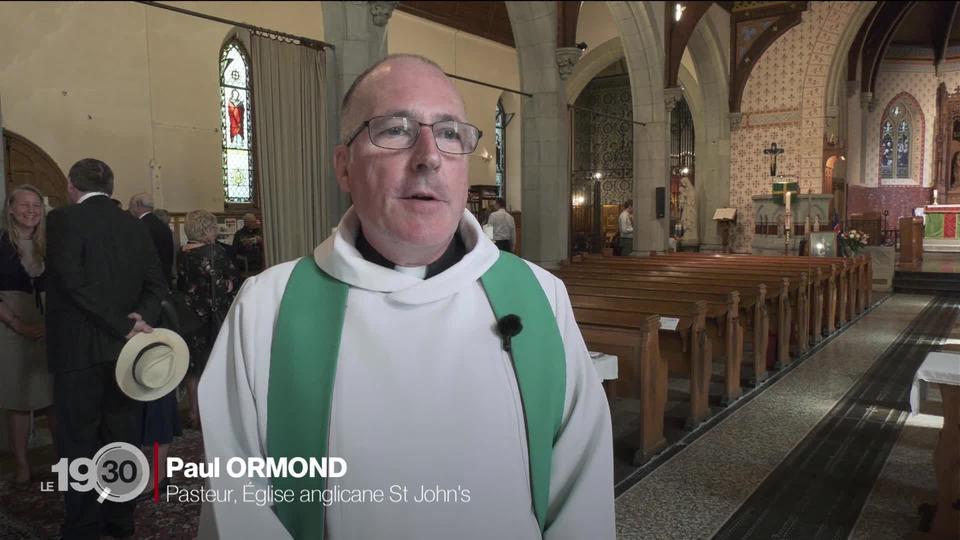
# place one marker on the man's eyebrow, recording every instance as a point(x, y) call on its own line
point(411, 114)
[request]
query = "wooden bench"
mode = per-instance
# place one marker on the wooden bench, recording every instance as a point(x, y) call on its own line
point(803, 307)
point(784, 291)
point(855, 271)
point(721, 324)
point(686, 350)
point(822, 283)
point(752, 322)
point(642, 372)
point(775, 304)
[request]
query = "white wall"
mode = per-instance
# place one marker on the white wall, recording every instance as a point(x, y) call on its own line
point(466, 55)
point(129, 84)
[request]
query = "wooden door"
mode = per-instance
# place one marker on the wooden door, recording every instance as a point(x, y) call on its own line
point(27, 163)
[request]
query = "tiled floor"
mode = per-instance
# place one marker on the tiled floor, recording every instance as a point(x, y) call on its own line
point(694, 493)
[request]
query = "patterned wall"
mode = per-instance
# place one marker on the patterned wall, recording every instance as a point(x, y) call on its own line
point(906, 70)
point(784, 102)
point(898, 201)
point(602, 143)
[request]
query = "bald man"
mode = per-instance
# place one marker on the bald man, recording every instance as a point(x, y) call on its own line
point(450, 377)
point(248, 243)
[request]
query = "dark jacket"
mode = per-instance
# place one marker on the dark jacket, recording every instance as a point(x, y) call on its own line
point(163, 241)
point(101, 265)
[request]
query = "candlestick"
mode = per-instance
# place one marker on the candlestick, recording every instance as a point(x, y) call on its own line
point(788, 201)
point(934, 197)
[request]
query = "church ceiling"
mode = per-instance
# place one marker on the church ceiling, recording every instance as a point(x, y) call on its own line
point(485, 19)
point(928, 24)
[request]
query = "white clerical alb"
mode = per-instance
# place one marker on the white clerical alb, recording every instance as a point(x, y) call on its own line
point(425, 399)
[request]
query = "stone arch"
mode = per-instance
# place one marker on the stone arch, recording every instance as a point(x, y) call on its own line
point(711, 124)
point(596, 60)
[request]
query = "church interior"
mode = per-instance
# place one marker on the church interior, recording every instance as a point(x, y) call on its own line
point(794, 169)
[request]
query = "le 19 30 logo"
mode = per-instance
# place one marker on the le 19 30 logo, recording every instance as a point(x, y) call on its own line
point(118, 472)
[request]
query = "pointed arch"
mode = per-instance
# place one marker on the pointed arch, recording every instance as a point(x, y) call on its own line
point(901, 141)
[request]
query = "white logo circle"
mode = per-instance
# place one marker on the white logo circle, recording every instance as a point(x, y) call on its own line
point(122, 472)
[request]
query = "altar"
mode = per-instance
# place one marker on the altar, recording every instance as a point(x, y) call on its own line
point(809, 212)
point(940, 228)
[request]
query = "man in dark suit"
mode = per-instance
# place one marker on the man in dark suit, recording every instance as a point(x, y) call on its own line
point(141, 207)
point(104, 286)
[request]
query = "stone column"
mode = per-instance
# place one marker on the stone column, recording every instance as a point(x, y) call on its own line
point(358, 31)
point(545, 135)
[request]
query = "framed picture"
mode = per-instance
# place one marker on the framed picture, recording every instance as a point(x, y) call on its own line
point(823, 244)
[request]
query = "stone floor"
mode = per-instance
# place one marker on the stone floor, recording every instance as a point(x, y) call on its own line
point(696, 492)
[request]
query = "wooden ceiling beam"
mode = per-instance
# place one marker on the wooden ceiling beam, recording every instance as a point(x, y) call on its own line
point(878, 38)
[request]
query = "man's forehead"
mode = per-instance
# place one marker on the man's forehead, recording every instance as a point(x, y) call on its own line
point(410, 88)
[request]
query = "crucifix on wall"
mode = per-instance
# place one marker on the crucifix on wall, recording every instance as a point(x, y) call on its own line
point(773, 152)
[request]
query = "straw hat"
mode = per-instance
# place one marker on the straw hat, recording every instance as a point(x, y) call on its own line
point(152, 364)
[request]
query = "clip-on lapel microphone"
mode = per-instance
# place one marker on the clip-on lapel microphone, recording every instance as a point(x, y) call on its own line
point(508, 326)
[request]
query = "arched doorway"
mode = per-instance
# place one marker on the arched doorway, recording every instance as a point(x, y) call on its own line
point(27, 163)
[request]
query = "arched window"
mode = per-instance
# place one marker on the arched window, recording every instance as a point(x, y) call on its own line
point(236, 123)
point(895, 141)
point(501, 149)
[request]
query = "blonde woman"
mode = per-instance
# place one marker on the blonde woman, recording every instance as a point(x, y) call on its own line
point(208, 278)
point(25, 383)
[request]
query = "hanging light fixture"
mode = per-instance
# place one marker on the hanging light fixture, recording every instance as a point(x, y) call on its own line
point(678, 9)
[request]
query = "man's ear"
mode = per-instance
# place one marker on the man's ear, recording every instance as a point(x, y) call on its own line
point(341, 159)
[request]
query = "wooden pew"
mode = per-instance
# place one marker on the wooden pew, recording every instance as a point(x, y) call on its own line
point(775, 304)
point(825, 285)
point(854, 278)
point(722, 325)
point(809, 307)
point(794, 295)
point(752, 319)
point(642, 372)
point(686, 349)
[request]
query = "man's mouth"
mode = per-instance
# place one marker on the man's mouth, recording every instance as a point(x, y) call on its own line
point(422, 197)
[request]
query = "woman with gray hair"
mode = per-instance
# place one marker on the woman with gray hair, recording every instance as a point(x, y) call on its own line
point(208, 279)
point(25, 383)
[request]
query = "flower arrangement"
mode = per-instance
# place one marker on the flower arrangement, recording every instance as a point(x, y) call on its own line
point(853, 240)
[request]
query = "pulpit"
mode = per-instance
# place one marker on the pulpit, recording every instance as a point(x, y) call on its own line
point(911, 239)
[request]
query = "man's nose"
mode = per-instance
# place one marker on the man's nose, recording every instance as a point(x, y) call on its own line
point(426, 155)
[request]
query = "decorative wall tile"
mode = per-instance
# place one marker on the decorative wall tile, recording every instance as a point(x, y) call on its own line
point(783, 102)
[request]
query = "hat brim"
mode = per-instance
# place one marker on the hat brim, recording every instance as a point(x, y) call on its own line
point(128, 356)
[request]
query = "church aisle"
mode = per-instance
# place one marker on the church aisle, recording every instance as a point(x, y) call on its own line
point(699, 489)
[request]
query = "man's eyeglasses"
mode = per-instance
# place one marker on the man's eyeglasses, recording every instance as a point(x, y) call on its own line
point(400, 133)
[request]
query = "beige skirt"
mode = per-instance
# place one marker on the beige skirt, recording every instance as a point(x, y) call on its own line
point(25, 382)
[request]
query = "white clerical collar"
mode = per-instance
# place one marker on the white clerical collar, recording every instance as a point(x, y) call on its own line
point(141, 215)
point(418, 272)
point(339, 257)
point(91, 194)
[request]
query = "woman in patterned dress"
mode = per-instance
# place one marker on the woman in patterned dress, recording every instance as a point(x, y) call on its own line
point(208, 278)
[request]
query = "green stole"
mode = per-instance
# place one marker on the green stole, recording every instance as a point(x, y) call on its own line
point(303, 366)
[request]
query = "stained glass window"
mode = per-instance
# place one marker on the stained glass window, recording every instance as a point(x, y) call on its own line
point(903, 148)
point(236, 124)
point(886, 151)
point(501, 135)
point(895, 141)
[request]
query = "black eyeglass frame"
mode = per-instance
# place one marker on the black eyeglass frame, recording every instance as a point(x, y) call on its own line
point(366, 125)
